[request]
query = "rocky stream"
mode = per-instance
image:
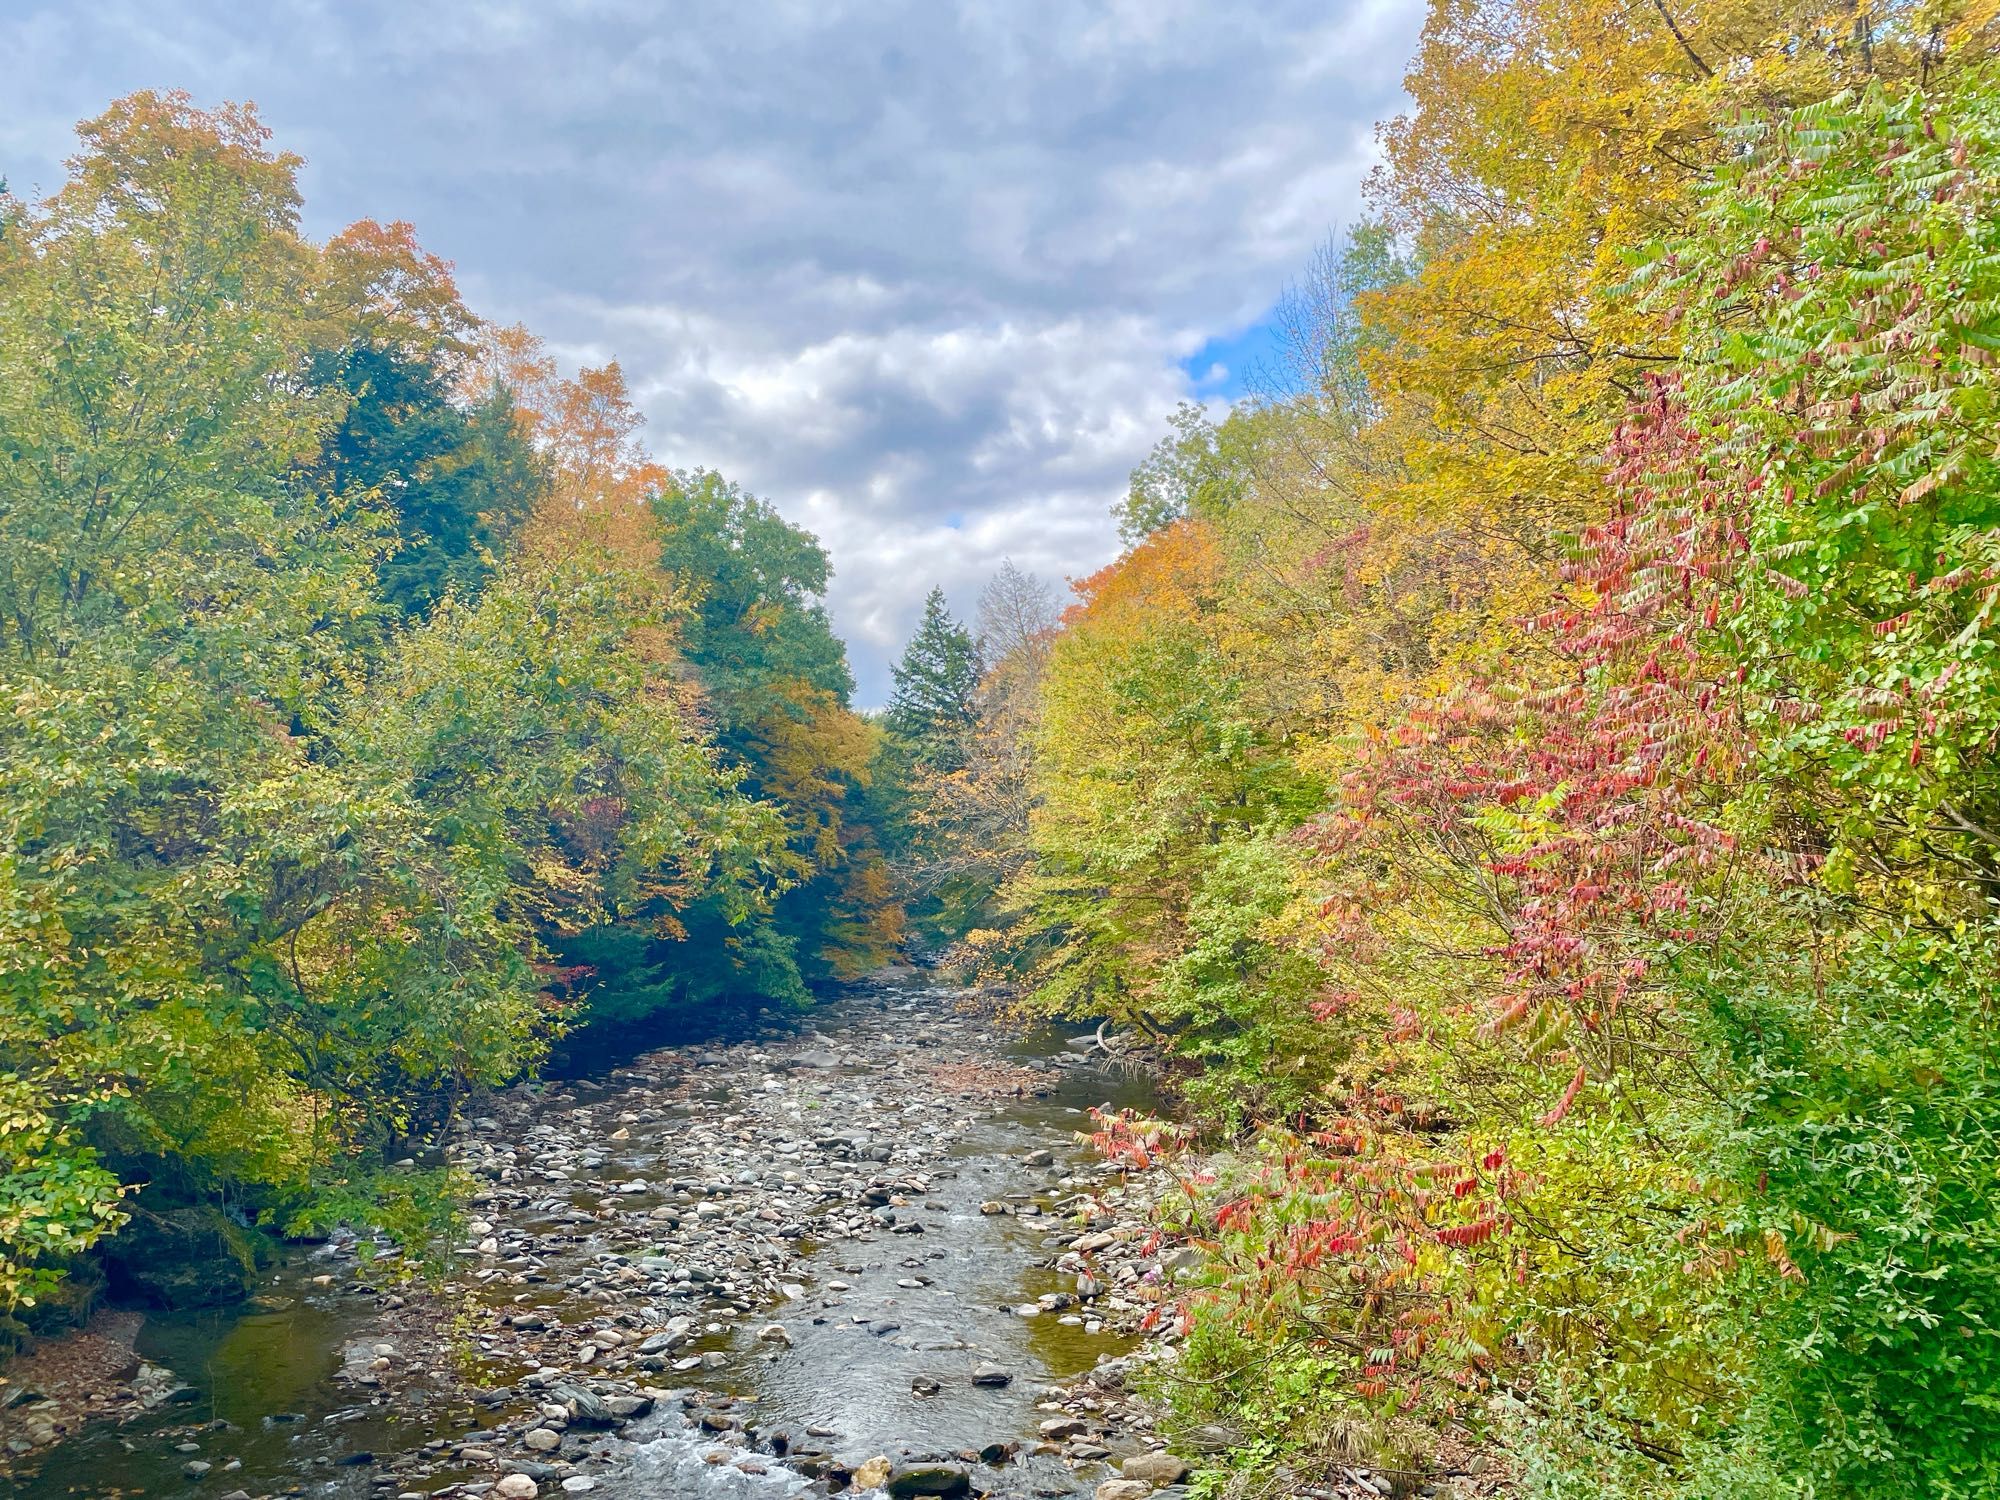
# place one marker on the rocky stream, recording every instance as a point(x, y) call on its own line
point(871, 1253)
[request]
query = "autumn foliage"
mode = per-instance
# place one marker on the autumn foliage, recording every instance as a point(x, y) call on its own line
point(1534, 771)
point(368, 726)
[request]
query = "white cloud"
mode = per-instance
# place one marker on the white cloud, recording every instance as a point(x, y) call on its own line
point(924, 274)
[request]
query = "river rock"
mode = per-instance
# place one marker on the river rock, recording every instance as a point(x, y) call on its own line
point(929, 1479)
point(585, 1408)
point(516, 1487)
point(873, 1474)
point(542, 1440)
point(990, 1374)
point(180, 1258)
point(1124, 1489)
point(1154, 1468)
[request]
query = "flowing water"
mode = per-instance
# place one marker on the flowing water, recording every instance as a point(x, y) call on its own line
point(885, 1313)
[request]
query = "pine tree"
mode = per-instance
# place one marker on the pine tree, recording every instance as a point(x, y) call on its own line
point(934, 708)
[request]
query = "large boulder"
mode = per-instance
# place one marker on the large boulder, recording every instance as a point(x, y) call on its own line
point(181, 1258)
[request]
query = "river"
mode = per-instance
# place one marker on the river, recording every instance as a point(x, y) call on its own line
point(778, 1259)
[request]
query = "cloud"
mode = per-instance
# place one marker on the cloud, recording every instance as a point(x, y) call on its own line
point(927, 275)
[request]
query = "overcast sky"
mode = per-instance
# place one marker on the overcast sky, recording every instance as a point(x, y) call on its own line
point(929, 276)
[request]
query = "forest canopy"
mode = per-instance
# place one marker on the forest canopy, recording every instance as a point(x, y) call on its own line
point(1533, 771)
point(378, 707)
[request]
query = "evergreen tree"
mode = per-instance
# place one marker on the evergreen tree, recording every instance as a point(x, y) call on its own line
point(934, 708)
point(460, 480)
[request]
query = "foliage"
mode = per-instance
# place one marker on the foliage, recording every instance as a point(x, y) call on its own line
point(933, 709)
point(1192, 472)
point(1546, 804)
point(460, 483)
point(345, 684)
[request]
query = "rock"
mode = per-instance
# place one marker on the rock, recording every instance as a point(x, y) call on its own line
point(923, 1385)
point(196, 1468)
point(1213, 1437)
point(1124, 1489)
point(1038, 1158)
point(873, 1474)
point(180, 1258)
point(628, 1408)
point(774, 1333)
point(1155, 1468)
point(990, 1374)
point(1057, 1428)
point(516, 1487)
point(542, 1440)
point(578, 1484)
point(585, 1408)
point(929, 1479)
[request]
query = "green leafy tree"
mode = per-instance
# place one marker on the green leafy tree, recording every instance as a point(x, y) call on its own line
point(278, 863)
point(1193, 471)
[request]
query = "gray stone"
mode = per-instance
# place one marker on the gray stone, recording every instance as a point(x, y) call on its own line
point(1155, 1468)
point(585, 1408)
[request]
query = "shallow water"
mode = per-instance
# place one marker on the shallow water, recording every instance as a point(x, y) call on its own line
point(934, 1305)
point(266, 1369)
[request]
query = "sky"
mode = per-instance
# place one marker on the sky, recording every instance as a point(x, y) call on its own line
point(928, 276)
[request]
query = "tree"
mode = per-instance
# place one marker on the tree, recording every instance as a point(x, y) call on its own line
point(964, 830)
point(281, 858)
point(1190, 472)
point(933, 709)
point(460, 483)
